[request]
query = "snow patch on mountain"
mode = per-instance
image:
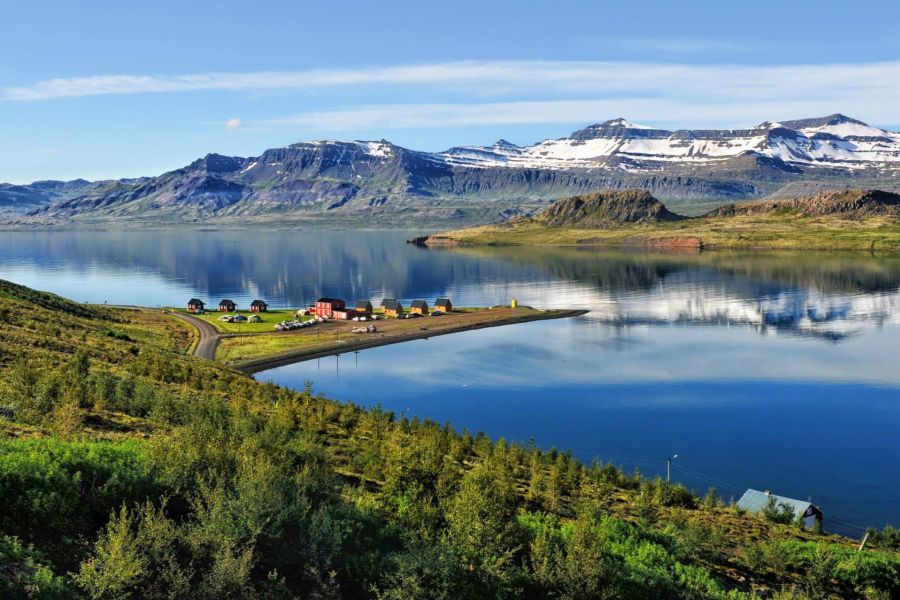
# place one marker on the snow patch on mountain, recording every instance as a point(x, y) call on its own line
point(835, 141)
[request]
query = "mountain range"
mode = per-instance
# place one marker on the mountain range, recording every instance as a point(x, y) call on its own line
point(377, 182)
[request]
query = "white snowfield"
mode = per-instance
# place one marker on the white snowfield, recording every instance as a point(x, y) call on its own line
point(835, 142)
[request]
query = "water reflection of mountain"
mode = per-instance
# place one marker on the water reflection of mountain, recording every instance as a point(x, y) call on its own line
point(626, 271)
point(286, 266)
point(823, 296)
point(829, 296)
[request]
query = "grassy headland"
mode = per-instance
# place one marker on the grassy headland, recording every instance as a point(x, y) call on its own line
point(854, 220)
point(256, 353)
point(129, 469)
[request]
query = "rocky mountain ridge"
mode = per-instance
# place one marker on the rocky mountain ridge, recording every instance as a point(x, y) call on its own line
point(378, 182)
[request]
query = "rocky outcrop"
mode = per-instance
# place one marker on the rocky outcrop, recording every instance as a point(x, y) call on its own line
point(606, 209)
point(845, 203)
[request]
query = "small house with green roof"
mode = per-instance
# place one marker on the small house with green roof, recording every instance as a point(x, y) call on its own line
point(756, 501)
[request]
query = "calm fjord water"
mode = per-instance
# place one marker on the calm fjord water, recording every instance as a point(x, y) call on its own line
point(777, 371)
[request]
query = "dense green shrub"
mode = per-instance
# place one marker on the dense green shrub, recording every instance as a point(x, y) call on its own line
point(25, 574)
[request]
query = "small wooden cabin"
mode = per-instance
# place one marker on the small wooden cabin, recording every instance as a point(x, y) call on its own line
point(196, 305)
point(443, 305)
point(418, 307)
point(325, 307)
point(392, 308)
point(227, 306)
point(258, 306)
point(363, 306)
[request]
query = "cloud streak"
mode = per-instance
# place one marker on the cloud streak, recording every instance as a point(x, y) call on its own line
point(525, 92)
point(628, 78)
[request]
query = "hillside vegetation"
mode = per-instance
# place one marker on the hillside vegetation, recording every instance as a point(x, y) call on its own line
point(131, 470)
point(838, 220)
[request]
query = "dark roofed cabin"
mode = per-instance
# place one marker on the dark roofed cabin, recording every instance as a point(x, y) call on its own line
point(363, 306)
point(419, 307)
point(325, 307)
point(392, 308)
point(196, 305)
point(258, 306)
point(756, 501)
point(227, 306)
point(443, 305)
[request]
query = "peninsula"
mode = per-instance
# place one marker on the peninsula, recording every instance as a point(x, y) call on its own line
point(838, 220)
point(260, 347)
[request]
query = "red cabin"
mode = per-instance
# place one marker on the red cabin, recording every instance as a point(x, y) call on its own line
point(258, 306)
point(325, 307)
point(196, 305)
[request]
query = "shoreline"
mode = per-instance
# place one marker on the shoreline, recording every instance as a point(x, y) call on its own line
point(257, 365)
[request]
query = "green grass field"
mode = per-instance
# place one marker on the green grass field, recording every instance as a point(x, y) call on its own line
point(269, 319)
point(782, 232)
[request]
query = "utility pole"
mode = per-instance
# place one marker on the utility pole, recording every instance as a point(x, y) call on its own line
point(669, 467)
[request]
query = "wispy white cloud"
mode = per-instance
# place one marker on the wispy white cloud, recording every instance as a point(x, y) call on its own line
point(233, 123)
point(537, 92)
point(726, 82)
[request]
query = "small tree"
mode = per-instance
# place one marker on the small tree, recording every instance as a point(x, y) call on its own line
point(778, 512)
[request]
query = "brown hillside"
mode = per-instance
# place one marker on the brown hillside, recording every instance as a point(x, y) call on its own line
point(847, 203)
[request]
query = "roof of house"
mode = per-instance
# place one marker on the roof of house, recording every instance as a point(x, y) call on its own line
point(756, 501)
point(363, 304)
point(441, 302)
point(387, 301)
point(329, 300)
point(226, 301)
point(196, 301)
point(258, 303)
point(419, 304)
point(389, 304)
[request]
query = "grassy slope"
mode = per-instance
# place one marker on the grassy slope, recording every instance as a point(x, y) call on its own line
point(782, 231)
point(49, 330)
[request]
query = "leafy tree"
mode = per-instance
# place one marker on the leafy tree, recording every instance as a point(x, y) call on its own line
point(778, 512)
point(482, 523)
point(25, 574)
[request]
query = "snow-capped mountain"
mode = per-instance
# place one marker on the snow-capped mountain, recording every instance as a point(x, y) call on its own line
point(835, 141)
point(380, 182)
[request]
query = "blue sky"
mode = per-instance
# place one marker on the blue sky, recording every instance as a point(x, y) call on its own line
point(106, 89)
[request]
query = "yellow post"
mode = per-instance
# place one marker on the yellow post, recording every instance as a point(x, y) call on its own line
point(514, 303)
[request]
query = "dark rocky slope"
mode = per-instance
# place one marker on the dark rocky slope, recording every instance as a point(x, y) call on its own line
point(606, 209)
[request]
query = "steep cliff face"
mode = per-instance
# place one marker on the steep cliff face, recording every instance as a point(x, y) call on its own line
point(606, 209)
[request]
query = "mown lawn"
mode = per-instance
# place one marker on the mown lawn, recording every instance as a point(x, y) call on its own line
point(269, 319)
